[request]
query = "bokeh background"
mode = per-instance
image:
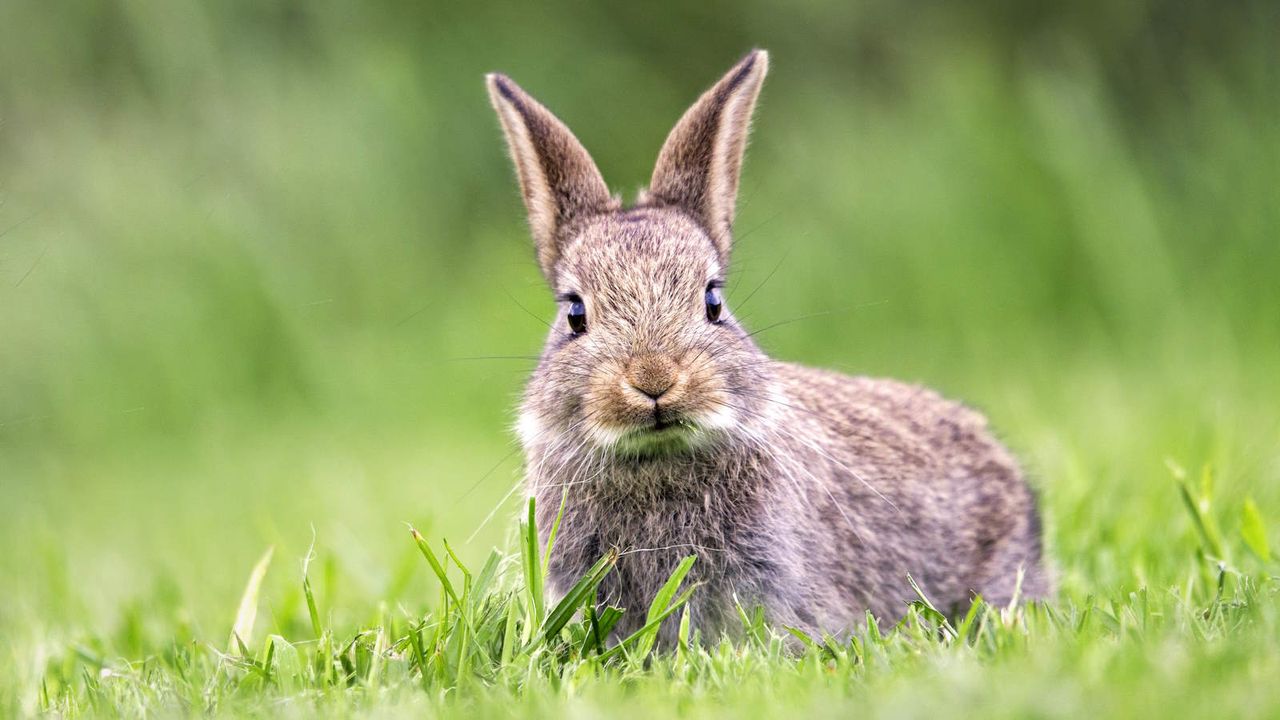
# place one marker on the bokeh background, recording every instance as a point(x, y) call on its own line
point(248, 248)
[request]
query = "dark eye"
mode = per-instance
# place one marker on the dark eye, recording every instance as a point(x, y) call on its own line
point(715, 303)
point(577, 315)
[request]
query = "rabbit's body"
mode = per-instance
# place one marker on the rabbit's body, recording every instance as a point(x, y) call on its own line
point(667, 432)
point(854, 483)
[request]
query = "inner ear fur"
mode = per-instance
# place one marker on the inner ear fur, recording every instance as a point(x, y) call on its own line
point(559, 181)
point(701, 161)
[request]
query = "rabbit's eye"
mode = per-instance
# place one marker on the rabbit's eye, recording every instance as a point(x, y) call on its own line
point(577, 315)
point(715, 304)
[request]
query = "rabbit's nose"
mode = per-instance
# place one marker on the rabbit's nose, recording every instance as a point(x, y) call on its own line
point(654, 391)
point(652, 376)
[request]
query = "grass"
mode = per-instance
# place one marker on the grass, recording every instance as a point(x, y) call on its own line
point(491, 644)
point(246, 250)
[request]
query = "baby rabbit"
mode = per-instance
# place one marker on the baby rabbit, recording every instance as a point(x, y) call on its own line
point(809, 493)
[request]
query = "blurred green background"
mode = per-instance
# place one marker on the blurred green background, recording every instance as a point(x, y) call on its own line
point(247, 247)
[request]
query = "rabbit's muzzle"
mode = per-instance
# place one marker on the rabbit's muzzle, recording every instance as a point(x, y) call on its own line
point(649, 401)
point(653, 389)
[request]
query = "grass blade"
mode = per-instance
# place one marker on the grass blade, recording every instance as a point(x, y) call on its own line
point(486, 577)
point(930, 611)
point(289, 672)
point(602, 623)
point(436, 567)
point(803, 637)
point(1193, 509)
point(661, 601)
point(1254, 530)
point(247, 613)
point(312, 610)
point(466, 574)
point(555, 528)
point(532, 566)
point(966, 624)
point(651, 625)
point(577, 596)
point(509, 633)
point(683, 645)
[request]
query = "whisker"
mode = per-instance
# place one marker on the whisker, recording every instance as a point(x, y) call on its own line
point(484, 477)
point(527, 311)
point(678, 546)
point(767, 278)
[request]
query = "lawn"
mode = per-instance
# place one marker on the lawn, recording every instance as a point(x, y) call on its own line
point(265, 293)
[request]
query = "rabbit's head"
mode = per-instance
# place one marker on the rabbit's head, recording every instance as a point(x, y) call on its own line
point(644, 357)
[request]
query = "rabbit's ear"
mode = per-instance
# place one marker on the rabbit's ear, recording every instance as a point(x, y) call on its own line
point(559, 180)
point(699, 164)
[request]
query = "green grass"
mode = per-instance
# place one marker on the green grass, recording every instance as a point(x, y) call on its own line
point(246, 247)
point(493, 644)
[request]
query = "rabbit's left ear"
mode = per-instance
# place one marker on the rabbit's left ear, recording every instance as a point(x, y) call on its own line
point(701, 160)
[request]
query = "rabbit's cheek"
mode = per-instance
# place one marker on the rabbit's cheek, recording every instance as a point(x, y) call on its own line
point(714, 411)
point(529, 429)
point(703, 390)
point(603, 435)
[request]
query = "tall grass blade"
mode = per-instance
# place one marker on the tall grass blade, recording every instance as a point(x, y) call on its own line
point(436, 566)
point(1254, 530)
point(555, 528)
point(602, 623)
point(313, 610)
point(532, 565)
point(466, 574)
point(966, 624)
point(487, 574)
point(661, 601)
point(509, 633)
point(1197, 509)
point(247, 613)
point(577, 596)
point(650, 626)
point(683, 644)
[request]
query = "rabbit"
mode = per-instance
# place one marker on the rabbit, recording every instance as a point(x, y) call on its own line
point(655, 426)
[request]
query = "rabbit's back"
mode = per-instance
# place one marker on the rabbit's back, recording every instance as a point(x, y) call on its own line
point(910, 482)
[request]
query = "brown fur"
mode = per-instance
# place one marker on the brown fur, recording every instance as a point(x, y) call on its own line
point(810, 493)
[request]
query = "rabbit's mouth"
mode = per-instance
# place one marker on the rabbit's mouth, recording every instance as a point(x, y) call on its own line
point(667, 435)
point(664, 418)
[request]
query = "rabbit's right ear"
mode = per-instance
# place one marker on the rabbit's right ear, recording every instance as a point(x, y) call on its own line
point(558, 179)
point(699, 164)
